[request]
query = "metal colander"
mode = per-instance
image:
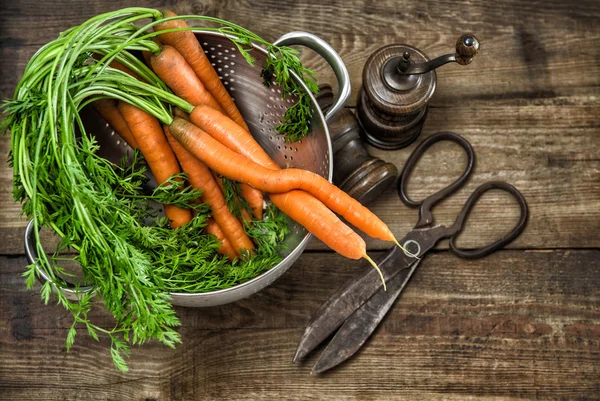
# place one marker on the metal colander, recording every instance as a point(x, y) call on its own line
point(262, 109)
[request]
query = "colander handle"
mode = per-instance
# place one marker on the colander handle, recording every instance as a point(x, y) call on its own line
point(333, 59)
point(71, 292)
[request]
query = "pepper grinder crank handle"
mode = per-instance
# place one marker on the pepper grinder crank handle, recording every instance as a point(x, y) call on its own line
point(355, 171)
point(398, 81)
point(467, 46)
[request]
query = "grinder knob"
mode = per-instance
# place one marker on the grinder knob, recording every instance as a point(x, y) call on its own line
point(355, 171)
point(467, 47)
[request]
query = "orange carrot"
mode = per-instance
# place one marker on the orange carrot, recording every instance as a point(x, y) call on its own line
point(107, 108)
point(239, 168)
point(151, 141)
point(187, 44)
point(253, 196)
point(320, 221)
point(212, 227)
point(172, 68)
point(298, 205)
point(200, 177)
point(230, 134)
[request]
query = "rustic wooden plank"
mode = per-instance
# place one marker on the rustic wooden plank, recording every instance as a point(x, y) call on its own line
point(515, 325)
point(526, 52)
point(444, 284)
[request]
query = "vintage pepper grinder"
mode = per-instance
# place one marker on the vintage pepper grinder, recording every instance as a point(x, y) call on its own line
point(355, 171)
point(398, 81)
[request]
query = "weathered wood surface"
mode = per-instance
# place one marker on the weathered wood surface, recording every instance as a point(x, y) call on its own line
point(521, 324)
point(515, 325)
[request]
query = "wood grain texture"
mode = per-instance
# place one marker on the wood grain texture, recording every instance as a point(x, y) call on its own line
point(521, 324)
point(514, 325)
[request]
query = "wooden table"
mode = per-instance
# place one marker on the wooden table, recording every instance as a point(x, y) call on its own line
point(521, 324)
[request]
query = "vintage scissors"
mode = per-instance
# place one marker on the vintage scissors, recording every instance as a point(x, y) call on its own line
point(361, 304)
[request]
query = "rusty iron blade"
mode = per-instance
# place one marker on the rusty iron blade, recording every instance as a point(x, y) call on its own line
point(348, 299)
point(361, 324)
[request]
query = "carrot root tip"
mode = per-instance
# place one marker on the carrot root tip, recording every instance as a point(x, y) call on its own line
point(376, 268)
point(405, 250)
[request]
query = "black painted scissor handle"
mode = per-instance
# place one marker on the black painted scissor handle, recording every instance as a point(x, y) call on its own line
point(425, 215)
point(458, 225)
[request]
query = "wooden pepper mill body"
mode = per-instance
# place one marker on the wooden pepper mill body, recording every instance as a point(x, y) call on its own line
point(398, 82)
point(355, 171)
point(391, 117)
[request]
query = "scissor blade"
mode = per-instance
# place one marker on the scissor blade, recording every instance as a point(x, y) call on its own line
point(361, 324)
point(348, 299)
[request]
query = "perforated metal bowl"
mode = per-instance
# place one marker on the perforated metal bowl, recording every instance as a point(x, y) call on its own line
point(262, 109)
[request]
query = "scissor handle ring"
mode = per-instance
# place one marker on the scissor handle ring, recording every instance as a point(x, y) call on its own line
point(475, 196)
point(425, 216)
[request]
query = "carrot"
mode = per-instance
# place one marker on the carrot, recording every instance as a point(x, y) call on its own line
point(253, 196)
point(230, 134)
point(212, 227)
point(237, 167)
point(200, 177)
point(151, 140)
point(172, 68)
point(108, 110)
point(320, 221)
point(234, 137)
point(187, 44)
point(298, 205)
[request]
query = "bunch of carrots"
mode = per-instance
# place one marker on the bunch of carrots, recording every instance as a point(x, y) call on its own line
point(214, 140)
point(175, 111)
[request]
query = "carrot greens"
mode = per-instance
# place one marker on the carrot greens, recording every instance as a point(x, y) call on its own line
point(102, 211)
